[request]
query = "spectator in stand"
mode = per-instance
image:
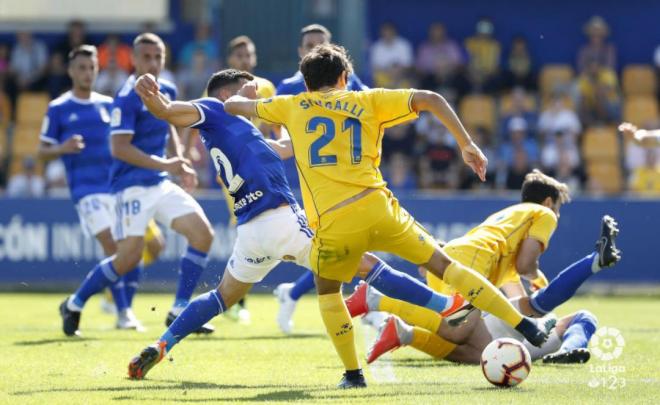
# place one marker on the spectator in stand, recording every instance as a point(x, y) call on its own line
point(559, 146)
point(519, 69)
point(597, 48)
point(440, 62)
point(56, 185)
point(8, 89)
point(598, 97)
point(29, 62)
point(646, 179)
point(192, 80)
point(58, 80)
point(517, 170)
point(27, 184)
point(391, 57)
point(518, 139)
point(557, 117)
point(484, 57)
point(567, 172)
point(399, 139)
point(113, 51)
point(398, 175)
point(439, 162)
point(204, 42)
point(76, 35)
point(111, 79)
point(519, 110)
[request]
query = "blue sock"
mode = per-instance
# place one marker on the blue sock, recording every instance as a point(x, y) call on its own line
point(131, 283)
point(303, 285)
point(401, 286)
point(193, 263)
point(579, 331)
point(200, 310)
point(564, 286)
point(119, 295)
point(100, 277)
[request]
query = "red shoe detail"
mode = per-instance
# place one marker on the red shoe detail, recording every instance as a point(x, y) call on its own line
point(357, 302)
point(387, 341)
point(459, 302)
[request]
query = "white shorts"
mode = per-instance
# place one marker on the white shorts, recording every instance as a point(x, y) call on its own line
point(96, 213)
point(500, 329)
point(277, 235)
point(164, 202)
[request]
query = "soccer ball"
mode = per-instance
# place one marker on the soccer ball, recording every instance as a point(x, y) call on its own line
point(505, 362)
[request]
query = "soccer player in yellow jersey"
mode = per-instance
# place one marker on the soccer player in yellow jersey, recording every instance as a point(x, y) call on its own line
point(506, 246)
point(336, 136)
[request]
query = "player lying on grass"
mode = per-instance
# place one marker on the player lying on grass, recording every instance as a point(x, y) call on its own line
point(643, 137)
point(337, 136)
point(76, 129)
point(270, 227)
point(504, 247)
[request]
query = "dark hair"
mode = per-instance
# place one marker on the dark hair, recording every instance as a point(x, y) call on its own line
point(148, 38)
point(538, 186)
point(315, 29)
point(224, 78)
point(239, 41)
point(324, 65)
point(83, 50)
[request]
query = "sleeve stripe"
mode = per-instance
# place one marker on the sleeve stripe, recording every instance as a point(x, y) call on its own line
point(122, 131)
point(202, 116)
point(48, 139)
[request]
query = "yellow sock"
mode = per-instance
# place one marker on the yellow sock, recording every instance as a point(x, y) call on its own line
point(338, 323)
point(147, 257)
point(481, 293)
point(430, 343)
point(411, 314)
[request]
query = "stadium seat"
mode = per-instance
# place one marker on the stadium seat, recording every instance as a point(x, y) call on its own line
point(25, 140)
point(478, 111)
point(601, 144)
point(506, 103)
point(607, 176)
point(639, 80)
point(640, 110)
point(31, 108)
point(555, 77)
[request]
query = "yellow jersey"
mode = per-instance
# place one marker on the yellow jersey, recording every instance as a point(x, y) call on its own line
point(502, 233)
point(337, 139)
point(265, 89)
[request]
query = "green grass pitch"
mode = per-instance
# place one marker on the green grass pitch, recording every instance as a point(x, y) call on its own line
point(256, 363)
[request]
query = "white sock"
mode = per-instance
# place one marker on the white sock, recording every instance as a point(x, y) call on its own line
point(403, 331)
point(595, 268)
point(71, 306)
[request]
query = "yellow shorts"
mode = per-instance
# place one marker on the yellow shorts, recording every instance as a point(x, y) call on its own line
point(376, 222)
point(473, 257)
point(152, 232)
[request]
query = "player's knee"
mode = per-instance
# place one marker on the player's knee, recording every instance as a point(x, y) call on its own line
point(438, 264)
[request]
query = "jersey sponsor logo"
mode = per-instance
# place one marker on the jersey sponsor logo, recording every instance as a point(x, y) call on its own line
point(248, 199)
point(73, 117)
point(257, 260)
point(115, 120)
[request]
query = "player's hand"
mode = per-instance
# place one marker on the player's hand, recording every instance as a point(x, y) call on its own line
point(631, 131)
point(146, 86)
point(176, 166)
point(249, 90)
point(75, 144)
point(474, 157)
point(189, 178)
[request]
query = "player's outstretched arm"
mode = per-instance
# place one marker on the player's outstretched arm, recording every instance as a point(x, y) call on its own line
point(527, 261)
point(282, 147)
point(641, 137)
point(424, 100)
point(177, 113)
point(244, 103)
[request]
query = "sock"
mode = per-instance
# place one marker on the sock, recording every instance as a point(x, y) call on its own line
point(564, 286)
point(119, 295)
point(579, 331)
point(481, 293)
point(131, 283)
point(193, 263)
point(200, 310)
point(340, 328)
point(430, 343)
point(302, 285)
point(411, 314)
point(403, 287)
point(100, 277)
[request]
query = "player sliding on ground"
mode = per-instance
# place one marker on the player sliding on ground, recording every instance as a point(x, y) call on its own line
point(504, 248)
point(270, 227)
point(336, 135)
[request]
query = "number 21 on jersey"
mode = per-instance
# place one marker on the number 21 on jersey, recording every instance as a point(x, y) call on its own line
point(351, 126)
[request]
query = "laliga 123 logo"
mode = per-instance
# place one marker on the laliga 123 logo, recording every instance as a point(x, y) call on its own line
point(607, 343)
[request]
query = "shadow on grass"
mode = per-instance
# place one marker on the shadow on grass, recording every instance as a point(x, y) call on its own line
point(265, 337)
point(420, 363)
point(40, 342)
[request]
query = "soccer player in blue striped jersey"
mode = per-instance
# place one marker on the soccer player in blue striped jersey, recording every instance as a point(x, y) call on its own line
point(139, 180)
point(288, 294)
point(76, 129)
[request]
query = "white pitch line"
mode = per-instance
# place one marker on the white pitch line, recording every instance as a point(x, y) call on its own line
point(382, 369)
